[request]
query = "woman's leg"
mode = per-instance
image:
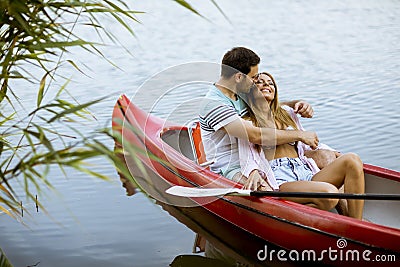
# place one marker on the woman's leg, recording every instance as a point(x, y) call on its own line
point(341, 207)
point(346, 170)
point(311, 186)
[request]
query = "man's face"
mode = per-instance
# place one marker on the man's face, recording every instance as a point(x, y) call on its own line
point(253, 72)
point(247, 82)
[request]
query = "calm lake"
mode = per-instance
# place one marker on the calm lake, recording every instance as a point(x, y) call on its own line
point(341, 56)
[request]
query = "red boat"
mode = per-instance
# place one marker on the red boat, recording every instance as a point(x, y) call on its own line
point(167, 153)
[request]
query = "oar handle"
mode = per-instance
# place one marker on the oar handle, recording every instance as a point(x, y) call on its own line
point(369, 196)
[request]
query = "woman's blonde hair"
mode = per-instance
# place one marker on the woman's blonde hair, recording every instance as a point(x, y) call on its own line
point(281, 117)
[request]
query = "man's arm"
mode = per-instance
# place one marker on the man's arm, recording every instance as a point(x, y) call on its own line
point(269, 136)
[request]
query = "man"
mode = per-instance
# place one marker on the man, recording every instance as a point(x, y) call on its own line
point(222, 125)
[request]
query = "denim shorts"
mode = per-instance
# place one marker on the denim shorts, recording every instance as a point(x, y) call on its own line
point(290, 170)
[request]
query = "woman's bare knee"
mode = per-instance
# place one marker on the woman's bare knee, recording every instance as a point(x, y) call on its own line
point(352, 160)
point(312, 186)
point(327, 203)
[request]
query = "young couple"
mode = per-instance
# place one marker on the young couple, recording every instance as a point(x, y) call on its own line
point(257, 141)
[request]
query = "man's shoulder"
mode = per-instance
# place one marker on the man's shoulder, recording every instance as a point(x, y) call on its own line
point(213, 99)
point(216, 111)
point(216, 95)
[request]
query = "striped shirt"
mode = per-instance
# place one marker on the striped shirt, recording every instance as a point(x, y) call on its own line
point(218, 110)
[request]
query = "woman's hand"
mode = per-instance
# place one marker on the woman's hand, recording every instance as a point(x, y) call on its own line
point(256, 182)
point(304, 109)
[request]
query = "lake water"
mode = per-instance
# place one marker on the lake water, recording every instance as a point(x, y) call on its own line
point(341, 56)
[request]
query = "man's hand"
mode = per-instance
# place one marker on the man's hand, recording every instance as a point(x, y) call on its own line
point(256, 182)
point(304, 109)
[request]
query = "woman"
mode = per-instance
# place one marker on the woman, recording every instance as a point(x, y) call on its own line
point(293, 171)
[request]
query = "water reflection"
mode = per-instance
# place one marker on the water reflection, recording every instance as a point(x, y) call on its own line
point(130, 188)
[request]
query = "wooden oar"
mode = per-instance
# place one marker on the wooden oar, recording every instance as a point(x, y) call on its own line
point(214, 192)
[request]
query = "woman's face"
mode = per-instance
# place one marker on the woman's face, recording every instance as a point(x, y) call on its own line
point(266, 86)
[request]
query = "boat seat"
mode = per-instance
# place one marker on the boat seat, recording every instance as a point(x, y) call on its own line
point(197, 144)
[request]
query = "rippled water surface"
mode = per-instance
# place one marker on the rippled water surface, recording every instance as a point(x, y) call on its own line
point(341, 56)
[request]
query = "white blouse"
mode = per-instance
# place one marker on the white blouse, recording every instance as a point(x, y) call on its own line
point(251, 159)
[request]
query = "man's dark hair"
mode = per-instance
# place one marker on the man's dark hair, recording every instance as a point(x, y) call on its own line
point(238, 59)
